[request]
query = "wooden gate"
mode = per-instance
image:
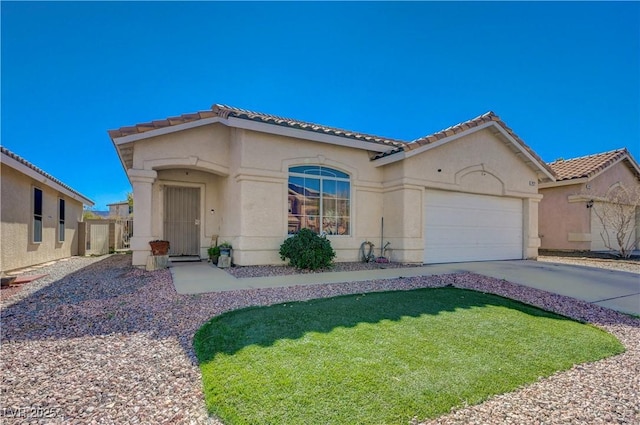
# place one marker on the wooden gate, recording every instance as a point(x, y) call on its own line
point(98, 239)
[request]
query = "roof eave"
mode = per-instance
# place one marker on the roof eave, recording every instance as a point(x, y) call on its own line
point(626, 156)
point(426, 147)
point(166, 130)
point(122, 161)
point(249, 124)
point(44, 179)
point(541, 166)
point(565, 182)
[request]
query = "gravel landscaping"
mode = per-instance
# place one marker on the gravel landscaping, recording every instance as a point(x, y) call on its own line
point(630, 265)
point(98, 341)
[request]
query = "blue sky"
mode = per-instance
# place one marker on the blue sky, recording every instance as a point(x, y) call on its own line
point(564, 76)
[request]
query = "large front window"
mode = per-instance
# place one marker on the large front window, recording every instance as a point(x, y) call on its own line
point(319, 200)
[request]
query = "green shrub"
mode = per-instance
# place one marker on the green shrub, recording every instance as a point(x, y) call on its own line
point(307, 250)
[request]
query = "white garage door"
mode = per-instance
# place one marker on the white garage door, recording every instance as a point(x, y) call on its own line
point(464, 227)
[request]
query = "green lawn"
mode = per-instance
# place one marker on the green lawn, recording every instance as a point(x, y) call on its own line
point(382, 358)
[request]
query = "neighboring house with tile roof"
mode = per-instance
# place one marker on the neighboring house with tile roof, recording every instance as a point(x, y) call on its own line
point(39, 214)
point(567, 219)
point(468, 192)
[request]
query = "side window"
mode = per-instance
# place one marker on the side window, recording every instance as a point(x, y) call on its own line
point(37, 215)
point(319, 199)
point(61, 208)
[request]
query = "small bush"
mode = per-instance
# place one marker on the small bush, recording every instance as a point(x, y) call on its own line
point(307, 250)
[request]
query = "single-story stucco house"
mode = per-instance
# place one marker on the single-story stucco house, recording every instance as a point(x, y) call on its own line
point(568, 218)
point(39, 214)
point(469, 192)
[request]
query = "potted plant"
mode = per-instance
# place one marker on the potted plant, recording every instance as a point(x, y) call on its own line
point(159, 247)
point(214, 253)
point(225, 248)
point(225, 255)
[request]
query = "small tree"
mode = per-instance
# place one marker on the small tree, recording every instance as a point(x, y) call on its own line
point(90, 215)
point(130, 202)
point(616, 211)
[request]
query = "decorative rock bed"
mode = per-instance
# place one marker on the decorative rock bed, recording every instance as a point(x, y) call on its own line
point(98, 341)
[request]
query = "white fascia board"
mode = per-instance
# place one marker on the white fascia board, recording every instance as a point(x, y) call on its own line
point(449, 139)
point(259, 127)
point(634, 164)
point(306, 135)
point(167, 130)
point(30, 172)
point(559, 183)
point(408, 154)
point(525, 152)
point(631, 161)
point(394, 157)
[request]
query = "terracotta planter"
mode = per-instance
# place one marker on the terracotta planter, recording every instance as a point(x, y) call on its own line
point(159, 247)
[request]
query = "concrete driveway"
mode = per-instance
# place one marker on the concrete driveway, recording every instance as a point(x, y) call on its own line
point(612, 289)
point(608, 288)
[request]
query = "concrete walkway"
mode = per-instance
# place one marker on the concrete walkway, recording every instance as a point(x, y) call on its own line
point(612, 289)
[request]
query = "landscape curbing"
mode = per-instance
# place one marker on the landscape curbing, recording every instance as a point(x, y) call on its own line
point(618, 290)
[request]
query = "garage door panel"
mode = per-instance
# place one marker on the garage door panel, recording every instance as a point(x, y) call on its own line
point(467, 227)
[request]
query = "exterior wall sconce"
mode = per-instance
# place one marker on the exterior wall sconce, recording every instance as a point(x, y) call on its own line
point(590, 203)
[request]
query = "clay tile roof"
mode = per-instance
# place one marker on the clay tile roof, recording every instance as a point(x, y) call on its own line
point(225, 111)
point(467, 125)
point(395, 145)
point(459, 128)
point(40, 171)
point(153, 125)
point(586, 166)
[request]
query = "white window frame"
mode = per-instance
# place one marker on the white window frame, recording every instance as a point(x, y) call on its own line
point(322, 179)
point(62, 207)
point(35, 216)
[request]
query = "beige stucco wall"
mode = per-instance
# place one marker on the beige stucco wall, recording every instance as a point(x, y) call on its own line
point(243, 176)
point(263, 176)
point(478, 163)
point(565, 221)
point(18, 250)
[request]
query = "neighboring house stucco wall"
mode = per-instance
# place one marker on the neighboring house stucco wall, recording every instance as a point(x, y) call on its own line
point(18, 249)
point(563, 224)
point(565, 221)
point(119, 210)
